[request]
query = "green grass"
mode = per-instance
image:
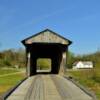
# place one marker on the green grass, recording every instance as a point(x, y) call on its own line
point(9, 81)
point(7, 71)
point(88, 78)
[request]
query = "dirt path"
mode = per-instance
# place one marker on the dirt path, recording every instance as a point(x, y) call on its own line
point(11, 74)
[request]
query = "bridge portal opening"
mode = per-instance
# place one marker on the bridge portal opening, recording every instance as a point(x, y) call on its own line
point(43, 65)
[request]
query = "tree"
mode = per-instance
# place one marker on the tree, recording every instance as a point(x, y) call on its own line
point(70, 59)
point(12, 57)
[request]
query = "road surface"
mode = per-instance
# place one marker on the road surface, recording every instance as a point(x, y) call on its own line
point(48, 87)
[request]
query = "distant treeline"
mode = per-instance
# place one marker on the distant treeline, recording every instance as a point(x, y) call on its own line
point(12, 58)
point(94, 57)
point(16, 58)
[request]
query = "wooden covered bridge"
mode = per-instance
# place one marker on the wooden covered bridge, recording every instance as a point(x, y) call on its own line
point(47, 44)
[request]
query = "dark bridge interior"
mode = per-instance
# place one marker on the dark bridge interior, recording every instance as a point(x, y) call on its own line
point(53, 51)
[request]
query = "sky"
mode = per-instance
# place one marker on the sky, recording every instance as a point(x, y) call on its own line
point(76, 20)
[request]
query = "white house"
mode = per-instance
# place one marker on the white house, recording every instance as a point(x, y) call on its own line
point(82, 65)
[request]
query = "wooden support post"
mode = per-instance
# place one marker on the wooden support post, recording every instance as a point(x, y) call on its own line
point(63, 63)
point(28, 64)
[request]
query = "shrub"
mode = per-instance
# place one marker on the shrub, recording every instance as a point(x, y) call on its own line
point(7, 63)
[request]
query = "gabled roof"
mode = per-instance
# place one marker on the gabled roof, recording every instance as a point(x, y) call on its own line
point(87, 63)
point(46, 30)
point(83, 62)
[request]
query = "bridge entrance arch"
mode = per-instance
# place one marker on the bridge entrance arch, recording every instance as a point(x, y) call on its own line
point(46, 44)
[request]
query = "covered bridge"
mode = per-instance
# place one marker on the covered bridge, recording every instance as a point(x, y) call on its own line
point(46, 44)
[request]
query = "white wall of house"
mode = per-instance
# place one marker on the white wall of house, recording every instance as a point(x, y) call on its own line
point(81, 64)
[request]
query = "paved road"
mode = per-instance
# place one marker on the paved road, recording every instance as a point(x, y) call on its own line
point(48, 87)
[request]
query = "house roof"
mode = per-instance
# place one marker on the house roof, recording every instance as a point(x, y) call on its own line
point(75, 63)
point(87, 63)
point(84, 62)
point(44, 31)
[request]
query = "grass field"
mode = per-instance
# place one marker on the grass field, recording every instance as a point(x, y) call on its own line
point(6, 82)
point(88, 78)
point(7, 71)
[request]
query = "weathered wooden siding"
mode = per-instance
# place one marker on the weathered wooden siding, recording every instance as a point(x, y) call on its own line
point(47, 37)
point(46, 44)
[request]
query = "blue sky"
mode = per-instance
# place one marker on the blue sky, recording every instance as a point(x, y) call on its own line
point(77, 20)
